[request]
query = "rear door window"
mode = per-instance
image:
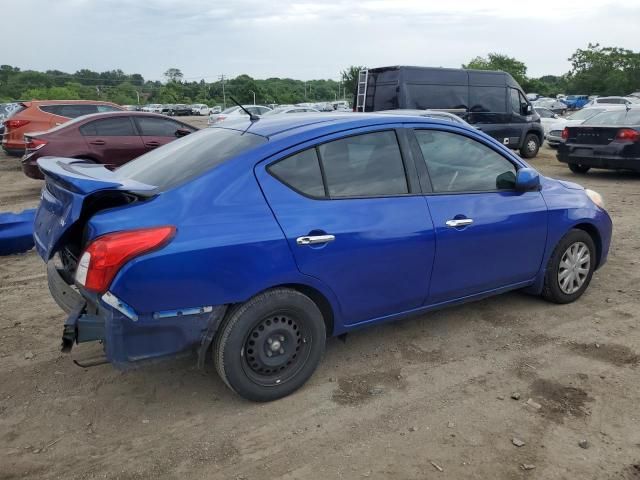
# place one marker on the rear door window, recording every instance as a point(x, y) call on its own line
point(189, 157)
point(158, 127)
point(109, 127)
point(364, 166)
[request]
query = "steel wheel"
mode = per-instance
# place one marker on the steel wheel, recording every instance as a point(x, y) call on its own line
point(275, 350)
point(532, 145)
point(574, 267)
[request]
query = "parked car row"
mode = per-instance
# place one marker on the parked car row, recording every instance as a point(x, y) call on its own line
point(175, 109)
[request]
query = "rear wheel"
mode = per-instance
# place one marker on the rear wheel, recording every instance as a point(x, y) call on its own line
point(570, 268)
point(577, 168)
point(269, 347)
point(530, 146)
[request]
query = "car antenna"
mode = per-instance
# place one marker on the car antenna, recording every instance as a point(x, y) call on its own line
point(252, 116)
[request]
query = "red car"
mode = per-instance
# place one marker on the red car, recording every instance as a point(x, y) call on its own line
point(111, 138)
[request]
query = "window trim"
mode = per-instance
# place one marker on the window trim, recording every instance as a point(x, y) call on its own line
point(413, 186)
point(423, 162)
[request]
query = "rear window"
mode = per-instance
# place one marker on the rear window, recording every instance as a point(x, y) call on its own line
point(188, 157)
point(617, 117)
point(584, 114)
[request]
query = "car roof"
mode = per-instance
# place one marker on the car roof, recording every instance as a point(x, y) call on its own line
point(282, 125)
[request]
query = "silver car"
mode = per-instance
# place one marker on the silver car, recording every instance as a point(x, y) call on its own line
point(236, 113)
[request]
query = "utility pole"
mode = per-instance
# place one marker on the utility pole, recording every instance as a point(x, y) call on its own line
point(254, 96)
point(224, 97)
point(138, 95)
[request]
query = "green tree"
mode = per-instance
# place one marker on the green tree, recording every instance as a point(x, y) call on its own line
point(504, 63)
point(173, 75)
point(350, 78)
point(604, 70)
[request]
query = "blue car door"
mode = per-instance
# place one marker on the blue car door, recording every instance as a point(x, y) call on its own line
point(488, 235)
point(353, 221)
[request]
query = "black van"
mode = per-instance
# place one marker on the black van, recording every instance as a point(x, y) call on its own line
point(491, 101)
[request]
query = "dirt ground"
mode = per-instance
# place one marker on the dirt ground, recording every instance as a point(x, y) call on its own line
point(425, 398)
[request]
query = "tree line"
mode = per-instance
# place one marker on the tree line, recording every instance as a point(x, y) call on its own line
point(131, 89)
point(595, 70)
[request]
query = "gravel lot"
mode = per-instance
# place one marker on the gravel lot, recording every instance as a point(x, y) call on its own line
point(429, 397)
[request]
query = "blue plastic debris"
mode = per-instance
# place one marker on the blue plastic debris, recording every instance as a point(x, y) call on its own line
point(16, 232)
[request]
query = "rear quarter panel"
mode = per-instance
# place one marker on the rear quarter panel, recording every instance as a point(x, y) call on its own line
point(228, 246)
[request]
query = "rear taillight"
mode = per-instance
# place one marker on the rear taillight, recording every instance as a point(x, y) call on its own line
point(628, 135)
point(16, 123)
point(565, 133)
point(34, 143)
point(107, 254)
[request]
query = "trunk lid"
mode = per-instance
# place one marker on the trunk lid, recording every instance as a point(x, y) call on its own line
point(73, 191)
point(584, 135)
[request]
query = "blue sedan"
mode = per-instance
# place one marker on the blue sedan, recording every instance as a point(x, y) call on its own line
point(254, 242)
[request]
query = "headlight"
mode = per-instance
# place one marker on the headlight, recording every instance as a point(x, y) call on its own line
point(595, 198)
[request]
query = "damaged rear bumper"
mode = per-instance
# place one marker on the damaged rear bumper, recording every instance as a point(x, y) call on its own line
point(129, 336)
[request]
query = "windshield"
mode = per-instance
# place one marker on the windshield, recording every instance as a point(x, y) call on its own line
point(188, 157)
point(617, 117)
point(584, 114)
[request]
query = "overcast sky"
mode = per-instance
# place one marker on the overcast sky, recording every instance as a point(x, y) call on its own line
point(303, 39)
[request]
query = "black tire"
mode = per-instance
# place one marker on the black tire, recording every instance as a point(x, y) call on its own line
point(552, 290)
point(576, 168)
point(255, 370)
point(530, 146)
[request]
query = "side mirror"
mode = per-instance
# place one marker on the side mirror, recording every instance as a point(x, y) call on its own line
point(182, 132)
point(555, 115)
point(527, 180)
point(528, 110)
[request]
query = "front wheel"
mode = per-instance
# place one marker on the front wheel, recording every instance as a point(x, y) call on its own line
point(576, 168)
point(269, 346)
point(570, 268)
point(530, 146)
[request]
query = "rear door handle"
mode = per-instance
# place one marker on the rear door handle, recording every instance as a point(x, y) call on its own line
point(97, 142)
point(459, 222)
point(315, 239)
point(152, 144)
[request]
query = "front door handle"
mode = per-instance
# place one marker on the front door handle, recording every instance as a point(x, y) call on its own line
point(315, 239)
point(152, 144)
point(459, 222)
point(97, 142)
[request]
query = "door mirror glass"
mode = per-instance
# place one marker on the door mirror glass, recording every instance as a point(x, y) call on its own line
point(181, 132)
point(527, 180)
